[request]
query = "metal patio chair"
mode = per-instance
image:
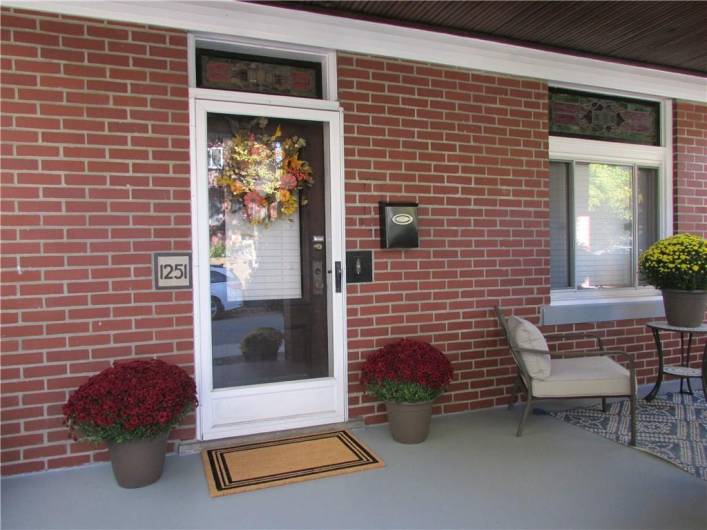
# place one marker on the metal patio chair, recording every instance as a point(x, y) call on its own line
point(565, 374)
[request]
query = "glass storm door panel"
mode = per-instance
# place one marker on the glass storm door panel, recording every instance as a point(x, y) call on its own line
point(267, 250)
point(265, 184)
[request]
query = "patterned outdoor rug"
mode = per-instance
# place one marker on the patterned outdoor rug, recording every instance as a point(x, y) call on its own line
point(672, 427)
point(254, 466)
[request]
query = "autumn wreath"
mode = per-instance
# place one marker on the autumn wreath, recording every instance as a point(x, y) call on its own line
point(264, 173)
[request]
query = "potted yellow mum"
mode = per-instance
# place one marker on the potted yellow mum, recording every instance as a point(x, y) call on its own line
point(677, 265)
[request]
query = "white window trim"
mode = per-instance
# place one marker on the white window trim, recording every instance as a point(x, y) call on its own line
point(570, 306)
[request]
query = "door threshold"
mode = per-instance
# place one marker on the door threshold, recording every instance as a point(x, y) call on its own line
point(196, 446)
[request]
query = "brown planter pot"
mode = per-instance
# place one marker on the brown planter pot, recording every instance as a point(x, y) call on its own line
point(138, 463)
point(685, 309)
point(409, 422)
point(261, 344)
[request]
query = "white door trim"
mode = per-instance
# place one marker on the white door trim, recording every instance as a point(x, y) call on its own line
point(296, 403)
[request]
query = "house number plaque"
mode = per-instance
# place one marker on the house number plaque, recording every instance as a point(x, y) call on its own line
point(172, 271)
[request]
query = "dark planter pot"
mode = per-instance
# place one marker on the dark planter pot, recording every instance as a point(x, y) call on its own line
point(685, 309)
point(266, 352)
point(138, 463)
point(261, 344)
point(409, 422)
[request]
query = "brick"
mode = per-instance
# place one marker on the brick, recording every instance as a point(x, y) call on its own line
point(54, 463)
point(53, 54)
point(37, 67)
point(32, 94)
point(107, 32)
point(85, 71)
point(30, 37)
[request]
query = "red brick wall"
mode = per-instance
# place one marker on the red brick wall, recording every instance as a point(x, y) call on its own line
point(472, 149)
point(95, 178)
point(690, 168)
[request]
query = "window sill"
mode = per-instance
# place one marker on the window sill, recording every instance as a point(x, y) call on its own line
point(602, 310)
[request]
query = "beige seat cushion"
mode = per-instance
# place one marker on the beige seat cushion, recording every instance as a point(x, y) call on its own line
point(584, 376)
point(525, 335)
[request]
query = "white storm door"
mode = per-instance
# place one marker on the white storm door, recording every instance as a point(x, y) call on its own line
point(270, 315)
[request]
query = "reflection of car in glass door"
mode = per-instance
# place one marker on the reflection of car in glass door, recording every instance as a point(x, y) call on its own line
point(226, 292)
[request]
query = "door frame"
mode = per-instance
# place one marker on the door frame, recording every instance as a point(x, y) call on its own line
point(332, 388)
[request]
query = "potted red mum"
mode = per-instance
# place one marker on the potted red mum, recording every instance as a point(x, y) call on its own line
point(408, 375)
point(132, 407)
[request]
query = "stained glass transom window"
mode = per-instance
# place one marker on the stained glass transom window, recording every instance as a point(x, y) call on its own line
point(263, 75)
point(600, 117)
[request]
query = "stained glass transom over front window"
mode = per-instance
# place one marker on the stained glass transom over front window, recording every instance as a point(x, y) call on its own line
point(607, 118)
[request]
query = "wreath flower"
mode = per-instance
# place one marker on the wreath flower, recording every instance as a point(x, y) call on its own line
point(264, 174)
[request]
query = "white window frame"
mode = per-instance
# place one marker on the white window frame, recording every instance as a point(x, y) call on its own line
point(571, 306)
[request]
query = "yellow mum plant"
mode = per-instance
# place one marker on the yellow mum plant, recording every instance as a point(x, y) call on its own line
point(676, 262)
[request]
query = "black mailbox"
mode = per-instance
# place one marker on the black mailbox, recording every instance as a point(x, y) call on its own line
point(398, 224)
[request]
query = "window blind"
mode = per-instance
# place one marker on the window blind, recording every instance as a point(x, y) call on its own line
point(266, 259)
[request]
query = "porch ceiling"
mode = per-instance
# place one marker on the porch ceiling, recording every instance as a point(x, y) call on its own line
point(665, 35)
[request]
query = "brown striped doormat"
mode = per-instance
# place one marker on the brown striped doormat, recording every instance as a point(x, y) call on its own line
point(261, 465)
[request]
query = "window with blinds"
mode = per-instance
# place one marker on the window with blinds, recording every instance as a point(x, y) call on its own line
point(602, 216)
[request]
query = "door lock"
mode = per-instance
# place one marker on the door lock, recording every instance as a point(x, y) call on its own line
point(317, 277)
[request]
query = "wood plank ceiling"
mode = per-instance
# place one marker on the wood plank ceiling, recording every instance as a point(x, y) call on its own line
point(664, 35)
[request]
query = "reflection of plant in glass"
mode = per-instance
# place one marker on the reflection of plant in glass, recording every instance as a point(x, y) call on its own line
point(264, 173)
point(609, 202)
point(610, 188)
point(262, 344)
point(218, 250)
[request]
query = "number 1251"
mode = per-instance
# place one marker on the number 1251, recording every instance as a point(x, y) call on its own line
point(173, 272)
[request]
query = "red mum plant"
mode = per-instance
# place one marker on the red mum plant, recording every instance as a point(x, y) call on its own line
point(131, 400)
point(407, 371)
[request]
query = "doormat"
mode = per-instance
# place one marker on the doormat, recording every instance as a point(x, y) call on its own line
point(255, 466)
point(672, 427)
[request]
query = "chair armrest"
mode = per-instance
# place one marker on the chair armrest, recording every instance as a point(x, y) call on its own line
point(575, 354)
point(531, 350)
point(625, 356)
point(574, 335)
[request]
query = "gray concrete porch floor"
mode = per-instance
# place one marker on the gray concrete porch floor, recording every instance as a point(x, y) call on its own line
point(471, 473)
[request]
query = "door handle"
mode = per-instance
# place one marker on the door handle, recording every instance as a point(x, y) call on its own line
point(337, 275)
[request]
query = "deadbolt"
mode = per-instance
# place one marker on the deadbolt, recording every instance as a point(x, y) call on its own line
point(317, 277)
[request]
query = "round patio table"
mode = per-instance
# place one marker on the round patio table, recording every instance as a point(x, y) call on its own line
point(683, 370)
